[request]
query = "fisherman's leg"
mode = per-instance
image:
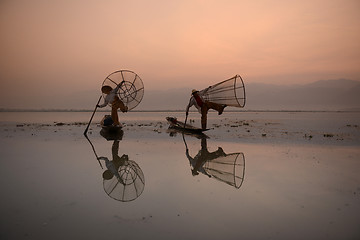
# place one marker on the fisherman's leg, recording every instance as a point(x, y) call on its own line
point(204, 111)
point(203, 144)
point(114, 114)
point(216, 106)
point(115, 148)
point(122, 106)
point(115, 153)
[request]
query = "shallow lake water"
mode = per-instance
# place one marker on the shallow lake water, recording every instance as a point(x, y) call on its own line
point(179, 186)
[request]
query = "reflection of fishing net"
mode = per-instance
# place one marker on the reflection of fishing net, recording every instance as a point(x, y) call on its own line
point(131, 90)
point(130, 184)
point(229, 169)
point(230, 92)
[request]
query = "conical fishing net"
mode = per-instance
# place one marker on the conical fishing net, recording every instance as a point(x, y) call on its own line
point(131, 89)
point(229, 169)
point(128, 185)
point(230, 92)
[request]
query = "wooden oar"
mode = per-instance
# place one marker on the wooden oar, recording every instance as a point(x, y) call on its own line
point(187, 113)
point(87, 128)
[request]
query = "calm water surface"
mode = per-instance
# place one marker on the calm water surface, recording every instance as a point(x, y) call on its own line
point(176, 186)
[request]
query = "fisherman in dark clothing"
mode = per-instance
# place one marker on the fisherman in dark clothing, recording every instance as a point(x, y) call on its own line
point(203, 106)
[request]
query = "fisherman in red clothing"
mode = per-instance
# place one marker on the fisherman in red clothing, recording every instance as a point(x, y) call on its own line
point(203, 106)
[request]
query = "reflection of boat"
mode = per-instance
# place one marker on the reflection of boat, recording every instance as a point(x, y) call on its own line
point(123, 179)
point(173, 132)
point(227, 168)
point(112, 135)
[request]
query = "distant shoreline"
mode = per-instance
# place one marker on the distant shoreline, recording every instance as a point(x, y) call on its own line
point(102, 110)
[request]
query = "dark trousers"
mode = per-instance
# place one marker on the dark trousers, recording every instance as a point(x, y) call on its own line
point(204, 111)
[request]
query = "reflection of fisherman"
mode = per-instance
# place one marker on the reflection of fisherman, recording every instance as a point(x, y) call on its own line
point(113, 99)
point(113, 166)
point(203, 106)
point(202, 157)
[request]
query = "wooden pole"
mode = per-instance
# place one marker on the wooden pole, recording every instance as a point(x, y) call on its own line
point(87, 128)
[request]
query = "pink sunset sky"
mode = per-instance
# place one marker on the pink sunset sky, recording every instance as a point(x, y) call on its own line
point(72, 45)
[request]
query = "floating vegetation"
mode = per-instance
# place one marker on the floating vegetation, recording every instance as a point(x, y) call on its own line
point(308, 136)
point(349, 125)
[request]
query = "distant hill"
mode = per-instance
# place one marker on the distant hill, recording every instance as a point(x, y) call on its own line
point(341, 94)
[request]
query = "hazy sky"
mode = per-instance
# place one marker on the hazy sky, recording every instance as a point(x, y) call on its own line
point(66, 46)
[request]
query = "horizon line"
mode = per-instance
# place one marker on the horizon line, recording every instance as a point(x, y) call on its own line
point(169, 110)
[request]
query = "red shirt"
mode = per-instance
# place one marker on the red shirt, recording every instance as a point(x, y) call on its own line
point(198, 100)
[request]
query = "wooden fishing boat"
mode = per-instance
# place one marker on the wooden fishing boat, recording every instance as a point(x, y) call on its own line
point(175, 124)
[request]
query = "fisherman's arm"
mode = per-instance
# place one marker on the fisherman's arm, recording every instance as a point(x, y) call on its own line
point(191, 102)
point(102, 105)
point(106, 102)
point(188, 155)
